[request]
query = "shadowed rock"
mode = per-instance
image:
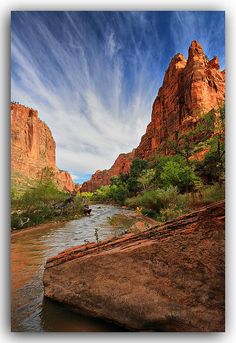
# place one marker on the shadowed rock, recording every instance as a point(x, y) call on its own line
point(167, 278)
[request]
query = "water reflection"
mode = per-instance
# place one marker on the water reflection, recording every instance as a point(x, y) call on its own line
point(29, 251)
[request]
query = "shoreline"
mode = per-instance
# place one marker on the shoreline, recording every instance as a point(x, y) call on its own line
point(51, 224)
point(55, 224)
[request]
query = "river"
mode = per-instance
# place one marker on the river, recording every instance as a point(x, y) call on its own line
point(30, 311)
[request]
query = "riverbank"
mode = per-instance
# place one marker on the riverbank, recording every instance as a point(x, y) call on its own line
point(130, 213)
point(167, 278)
point(30, 249)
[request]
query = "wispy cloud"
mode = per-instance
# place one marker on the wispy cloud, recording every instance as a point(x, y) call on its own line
point(92, 76)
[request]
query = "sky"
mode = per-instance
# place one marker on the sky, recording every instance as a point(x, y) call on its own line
point(93, 76)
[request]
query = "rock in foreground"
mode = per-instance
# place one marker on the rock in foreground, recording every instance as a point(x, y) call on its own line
point(167, 278)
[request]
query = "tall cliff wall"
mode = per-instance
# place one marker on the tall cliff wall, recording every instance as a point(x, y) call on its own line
point(33, 147)
point(190, 89)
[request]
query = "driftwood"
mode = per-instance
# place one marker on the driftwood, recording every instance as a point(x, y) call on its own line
point(63, 204)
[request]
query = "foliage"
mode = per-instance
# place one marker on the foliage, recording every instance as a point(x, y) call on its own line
point(212, 168)
point(205, 195)
point(185, 143)
point(175, 174)
point(111, 193)
point(154, 200)
point(170, 213)
point(146, 178)
point(175, 171)
point(38, 204)
point(137, 167)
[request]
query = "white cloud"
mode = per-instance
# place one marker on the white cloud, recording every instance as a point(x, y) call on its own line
point(81, 95)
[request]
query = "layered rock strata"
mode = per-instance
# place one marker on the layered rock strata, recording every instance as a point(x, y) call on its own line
point(167, 278)
point(33, 147)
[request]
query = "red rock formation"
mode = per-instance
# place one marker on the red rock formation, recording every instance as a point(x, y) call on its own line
point(64, 180)
point(167, 278)
point(190, 89)
point(102, 177)
point(33, 147)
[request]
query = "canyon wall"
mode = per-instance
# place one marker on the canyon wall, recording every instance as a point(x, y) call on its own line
point(190, 89)
point(33, 147)
point(102, 177)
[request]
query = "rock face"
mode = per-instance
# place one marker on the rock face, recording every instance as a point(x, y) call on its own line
point(33, 147)
point(190, 89)
point(102, 177)
point(64, 180)
point(167, 278)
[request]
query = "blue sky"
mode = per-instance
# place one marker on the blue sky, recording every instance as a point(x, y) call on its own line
point(93, 76)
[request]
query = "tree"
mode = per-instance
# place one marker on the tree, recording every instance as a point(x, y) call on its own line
point(137, 166)
point(212, 168)
point(146, 178)
point(177, 174)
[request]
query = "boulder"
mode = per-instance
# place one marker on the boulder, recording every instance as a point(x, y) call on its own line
point(167, 278)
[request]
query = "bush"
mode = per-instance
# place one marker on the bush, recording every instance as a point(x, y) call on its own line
point(179, 175)
point(154, 200)
point(36, 205)
point(170, 213)
point(112, 193)
point(206, 195)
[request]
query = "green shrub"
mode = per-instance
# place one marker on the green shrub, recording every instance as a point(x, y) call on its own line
point(206, 195)
point(179, 175)
point(154, 200)
point(213, 193)
point(38, 204)
point(112, 193)
point(170, 213)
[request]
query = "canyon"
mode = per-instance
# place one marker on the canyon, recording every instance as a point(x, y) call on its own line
point(33, 147)
point(190, 89)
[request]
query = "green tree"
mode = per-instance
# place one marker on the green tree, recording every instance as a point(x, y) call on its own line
point(177, 174)
point(137, 167)
point(146, 178)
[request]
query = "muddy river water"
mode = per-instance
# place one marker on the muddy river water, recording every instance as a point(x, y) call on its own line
point(30, 311)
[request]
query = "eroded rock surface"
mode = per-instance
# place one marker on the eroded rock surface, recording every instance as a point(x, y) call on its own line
point(167, 278)
point(33, 147)
point(190, 89)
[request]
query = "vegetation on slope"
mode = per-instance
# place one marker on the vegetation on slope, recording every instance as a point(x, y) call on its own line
point(40, 201)
point(171, 184)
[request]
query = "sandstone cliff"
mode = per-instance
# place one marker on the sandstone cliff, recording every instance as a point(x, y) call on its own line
point(33, 147)
point(167, 278)
point(190, 89)
point(102, 177)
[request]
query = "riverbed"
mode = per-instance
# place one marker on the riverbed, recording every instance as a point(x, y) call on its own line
point(30, 311)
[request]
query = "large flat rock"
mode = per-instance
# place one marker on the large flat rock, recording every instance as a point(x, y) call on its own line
point(168, 278)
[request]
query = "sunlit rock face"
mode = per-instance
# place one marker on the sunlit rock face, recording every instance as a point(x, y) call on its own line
point(102, 177)
point(64, 180)
point(33, 147)
point(190, 88)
